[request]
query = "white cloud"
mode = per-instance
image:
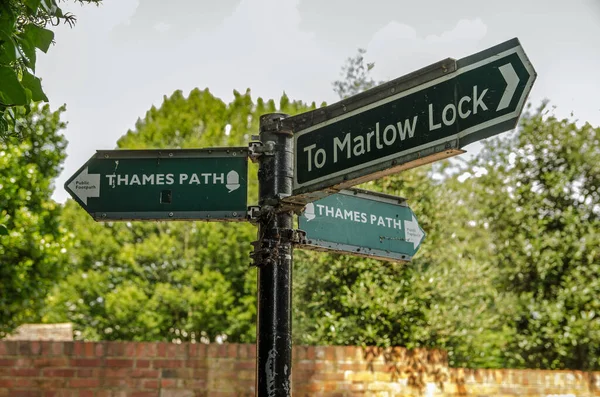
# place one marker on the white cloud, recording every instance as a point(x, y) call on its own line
point(162, 27)
point(397, 48)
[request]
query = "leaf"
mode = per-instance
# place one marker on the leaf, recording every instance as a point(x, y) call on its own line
point(11, 89)
point(8, 51)
point(32, 5)
point(38, 37)
point(3, 125)
point(27, 50)
point(51, 7)
point(33, 84)
point(3, 230)
point(7, 17)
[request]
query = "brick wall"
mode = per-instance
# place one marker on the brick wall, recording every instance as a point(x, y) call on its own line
point(119, 369)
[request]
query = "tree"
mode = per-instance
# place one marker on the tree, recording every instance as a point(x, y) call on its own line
point(23, 31)
point(540, 198)
point(168, 281)
point(347, 300)
point(33, 248)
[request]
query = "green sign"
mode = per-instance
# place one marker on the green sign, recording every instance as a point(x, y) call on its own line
point(427, 115)
point(362, 223)
point(190, 184)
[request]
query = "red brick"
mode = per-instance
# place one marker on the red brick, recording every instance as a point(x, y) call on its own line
point(222, 351)
point(145, 350)
point(86, 393)
point(115, 349)
point(143, 373)
point(22, 382)
point(174, 350)
point(151, 384)
point(120, 363)
point(25, 393)
point(129, 349)
point(116, 372)
point(23, 362)
point(198, 363)
point(36, 347)
point(87, 362)
point(197, 350)
point(144, 394)
point(57, 348)
point(245, 364)
point(78, 349)
point(51, 362)
point(88, 350)
point(25, 372)
point(311, 353)
point(196, 384)
point(7, 363)
point(161, 348)
point(142, 363)
point(8, 348)
point(68, 348)
point(5, 383)
point(46, 348)
point(84, 383)
point(115, 383)
point(87, 373)
point(330, 353)
point(232, 350)
point(99, 349)
point(167, 382)
point(299, 353)
point(212, 351)
point(51, 383)
point(168, 363)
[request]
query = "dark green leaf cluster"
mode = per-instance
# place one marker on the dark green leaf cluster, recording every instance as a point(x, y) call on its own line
point(23, 31)
point(33, 245)
point(540, 197)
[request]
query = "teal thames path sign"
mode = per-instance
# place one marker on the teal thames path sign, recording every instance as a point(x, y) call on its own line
point(183, 184)
point(419, 118)
point(362, 223)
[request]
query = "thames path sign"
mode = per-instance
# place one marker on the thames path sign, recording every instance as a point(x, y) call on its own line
point(363, 223)
point(419, 118)
point(184, 184)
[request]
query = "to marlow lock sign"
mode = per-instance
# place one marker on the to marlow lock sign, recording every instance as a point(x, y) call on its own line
point(483, 95)
point(202, 184)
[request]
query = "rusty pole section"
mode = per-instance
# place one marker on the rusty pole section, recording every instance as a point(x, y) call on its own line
point(273, 257)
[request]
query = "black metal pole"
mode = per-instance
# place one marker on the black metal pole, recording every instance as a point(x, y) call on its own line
point(274, 261)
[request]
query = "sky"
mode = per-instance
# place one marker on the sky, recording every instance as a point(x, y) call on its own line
point(123, 56)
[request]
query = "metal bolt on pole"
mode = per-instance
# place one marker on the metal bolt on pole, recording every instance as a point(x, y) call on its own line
point(273, 257)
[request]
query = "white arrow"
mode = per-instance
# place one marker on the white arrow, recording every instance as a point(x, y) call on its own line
point(413, 233)
point(85, 185)
point(511, 78)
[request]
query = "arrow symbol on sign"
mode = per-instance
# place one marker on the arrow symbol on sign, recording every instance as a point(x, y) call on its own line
point(511, 78)
point(414, 233)
point(85, 185)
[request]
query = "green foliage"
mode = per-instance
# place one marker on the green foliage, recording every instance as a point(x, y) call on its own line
point(168, 281)
point(540, 197)
point(23, 31)
point(33, 245)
